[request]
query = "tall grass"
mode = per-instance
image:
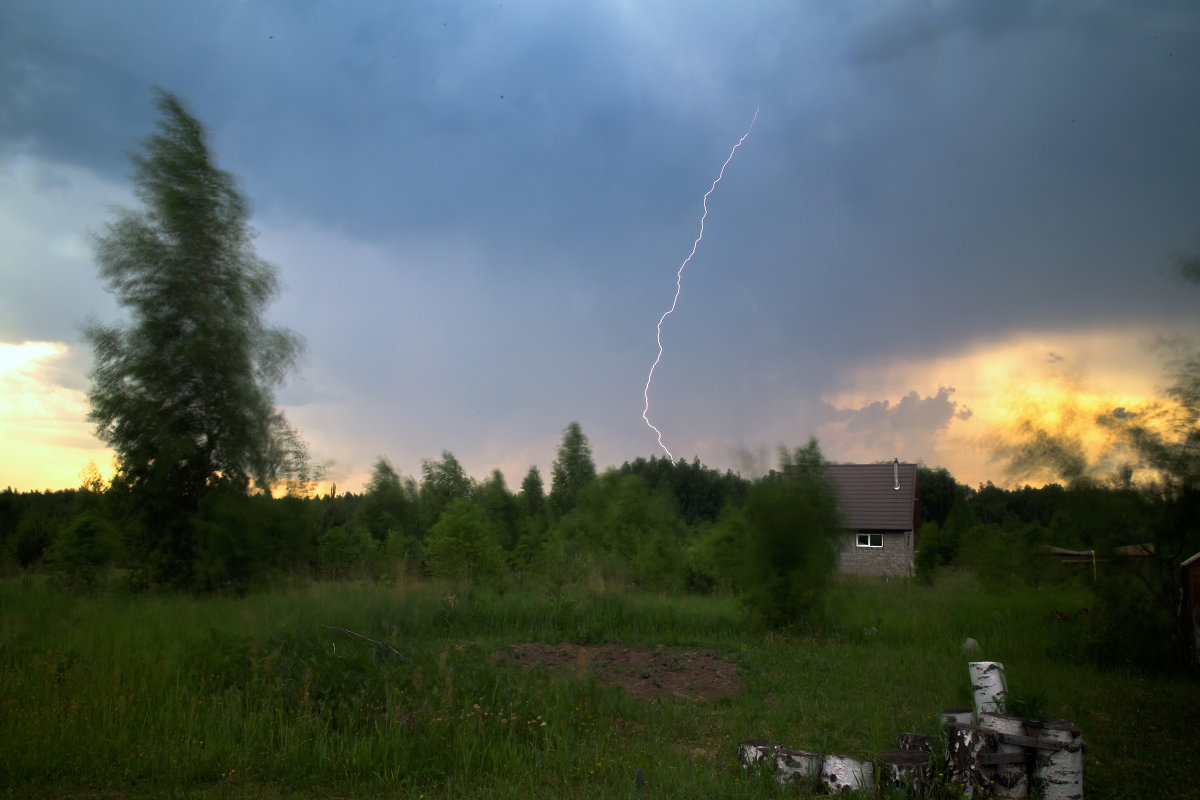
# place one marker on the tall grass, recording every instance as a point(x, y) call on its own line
point(253, 696)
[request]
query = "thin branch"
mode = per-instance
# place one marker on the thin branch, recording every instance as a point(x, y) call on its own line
point(360, 636)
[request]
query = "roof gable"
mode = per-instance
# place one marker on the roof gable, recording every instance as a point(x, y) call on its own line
point(869, 499)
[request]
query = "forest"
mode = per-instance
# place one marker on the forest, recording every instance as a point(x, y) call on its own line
point(651, 523)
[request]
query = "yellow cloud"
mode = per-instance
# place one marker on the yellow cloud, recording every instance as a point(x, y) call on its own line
point(43, 425)
point(1059, 381)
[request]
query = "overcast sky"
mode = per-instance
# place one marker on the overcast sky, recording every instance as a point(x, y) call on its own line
point(478, 211)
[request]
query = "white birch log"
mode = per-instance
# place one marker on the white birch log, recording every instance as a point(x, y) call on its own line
point(956, 716)
point(989, 687)
point(965, 746)
point(908, 769)
point(797, 766)
point(757, 752)
point(846, 774)
point(915, 741)
point(1060, 772)
point(1012, 777)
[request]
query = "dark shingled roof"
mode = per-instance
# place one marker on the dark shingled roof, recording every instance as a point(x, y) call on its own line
point(869, 499)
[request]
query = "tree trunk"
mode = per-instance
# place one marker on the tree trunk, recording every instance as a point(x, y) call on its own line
point(965, 766)
point(757, 752)
point(845, 774)
point(1012, 776)
point(915, 741)
point(1060, 771)
point(908, 769)
point(989, 686)
point(797, 766)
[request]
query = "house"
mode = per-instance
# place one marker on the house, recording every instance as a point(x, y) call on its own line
point(880, 508)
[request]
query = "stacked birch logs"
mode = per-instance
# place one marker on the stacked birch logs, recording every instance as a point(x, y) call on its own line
point(989, 754)
point(1003, 756)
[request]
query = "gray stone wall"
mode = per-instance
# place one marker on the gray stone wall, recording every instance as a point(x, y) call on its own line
point(894, 559)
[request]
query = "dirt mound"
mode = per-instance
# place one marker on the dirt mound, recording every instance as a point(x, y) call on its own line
point(648, 673)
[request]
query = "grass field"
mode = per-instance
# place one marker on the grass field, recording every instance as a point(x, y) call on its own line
point(117, 696)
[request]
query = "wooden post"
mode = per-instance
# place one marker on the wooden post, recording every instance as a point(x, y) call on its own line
point(846, 774)
point(989, 686)
point(908, 769)
point(1059, 768)
point(1012, 774)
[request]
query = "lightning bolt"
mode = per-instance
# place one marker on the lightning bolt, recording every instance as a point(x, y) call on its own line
point(679, 287)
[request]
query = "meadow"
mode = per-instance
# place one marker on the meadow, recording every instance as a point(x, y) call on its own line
point(361, 689)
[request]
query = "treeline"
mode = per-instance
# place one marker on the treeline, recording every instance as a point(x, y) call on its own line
point(652, 522)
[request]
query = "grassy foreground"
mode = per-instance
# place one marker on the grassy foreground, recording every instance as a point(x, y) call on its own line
point(115, 696)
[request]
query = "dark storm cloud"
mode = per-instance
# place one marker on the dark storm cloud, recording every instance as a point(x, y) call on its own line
point(500, 195)
point(901, 29)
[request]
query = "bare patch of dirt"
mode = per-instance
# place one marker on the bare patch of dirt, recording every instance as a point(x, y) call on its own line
point(644, 672)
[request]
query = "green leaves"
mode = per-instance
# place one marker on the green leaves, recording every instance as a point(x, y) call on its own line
point(794, 538)
point(183, 390)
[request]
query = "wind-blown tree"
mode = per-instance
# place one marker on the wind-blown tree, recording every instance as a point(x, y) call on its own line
point(442, 482)
point(573, 469)
point(389, 506)
point(183, 391)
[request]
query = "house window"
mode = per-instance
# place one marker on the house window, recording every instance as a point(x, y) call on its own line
point(870, 540)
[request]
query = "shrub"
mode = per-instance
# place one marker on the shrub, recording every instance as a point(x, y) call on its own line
point(794, 539)
point(343, 551)
point(81, 551)
point(463, 544)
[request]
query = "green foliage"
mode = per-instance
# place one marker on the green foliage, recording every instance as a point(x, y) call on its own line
point(573, 469)
point(936, 492)
point(1004, 557)
point(344, 552)
point(390, 507)
point(795, 531)
point(533, 496)
point(184, 392)
point(463, 545)
point(82, 551)
point(718, 558)
point(928, 557)
point(442, 482)
point(699, 493)
point(502, 509)
point(34, 533)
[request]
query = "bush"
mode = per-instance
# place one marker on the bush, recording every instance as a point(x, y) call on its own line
point(343, 551)
point(463, 544)
point(81, 552)
point(794, 539)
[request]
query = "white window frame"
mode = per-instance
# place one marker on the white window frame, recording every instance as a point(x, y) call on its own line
point(868, 540)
